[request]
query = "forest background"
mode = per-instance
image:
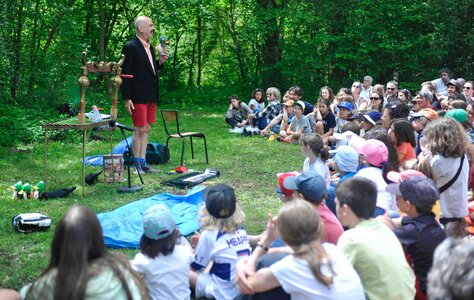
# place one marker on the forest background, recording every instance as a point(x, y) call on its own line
point(223, 47)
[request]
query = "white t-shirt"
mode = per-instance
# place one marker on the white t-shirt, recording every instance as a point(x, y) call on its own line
point(297, 279)
point(224, 250)
point(167, 277)
point(385, 199)
point(453, 201)
point(319, 167)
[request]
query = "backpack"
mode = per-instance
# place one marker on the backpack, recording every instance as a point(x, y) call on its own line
point(157, 154)
point(31, 222)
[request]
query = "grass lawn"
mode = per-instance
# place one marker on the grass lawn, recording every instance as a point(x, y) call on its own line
point(249, 164)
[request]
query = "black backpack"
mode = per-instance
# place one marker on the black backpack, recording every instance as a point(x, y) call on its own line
point(157, 154)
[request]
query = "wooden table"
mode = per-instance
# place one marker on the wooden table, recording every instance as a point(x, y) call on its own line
point(70, 124)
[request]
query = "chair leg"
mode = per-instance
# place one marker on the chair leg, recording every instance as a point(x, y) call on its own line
point(205, 149)
point(192, 148)
point(182, 153)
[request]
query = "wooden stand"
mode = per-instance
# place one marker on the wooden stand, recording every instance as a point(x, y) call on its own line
point(82, 124)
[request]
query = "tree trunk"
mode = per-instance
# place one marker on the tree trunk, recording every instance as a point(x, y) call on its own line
point(17, 42)
point(199, 48)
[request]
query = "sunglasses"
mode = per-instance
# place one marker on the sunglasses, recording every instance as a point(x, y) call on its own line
point(269, 94)
point(374, 98)
point(390, 89)
point(467, 87)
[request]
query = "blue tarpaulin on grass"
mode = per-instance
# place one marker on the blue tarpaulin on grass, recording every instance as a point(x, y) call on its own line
point(122, 228)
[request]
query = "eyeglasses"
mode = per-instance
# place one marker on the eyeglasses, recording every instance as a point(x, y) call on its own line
point(467, 87)
point(417, 102)
point(390, 89)
point(356, 86)
point(374, 98)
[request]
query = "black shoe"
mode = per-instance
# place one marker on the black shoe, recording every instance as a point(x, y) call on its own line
point(246, 133)
point(149, 169)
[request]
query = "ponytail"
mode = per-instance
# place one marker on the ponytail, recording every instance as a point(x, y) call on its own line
point(315, 258)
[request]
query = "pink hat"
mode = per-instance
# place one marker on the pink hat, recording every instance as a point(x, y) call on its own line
point(398, 177)
point(375, 152)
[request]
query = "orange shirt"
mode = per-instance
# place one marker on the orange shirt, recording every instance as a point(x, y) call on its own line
point(405, 152)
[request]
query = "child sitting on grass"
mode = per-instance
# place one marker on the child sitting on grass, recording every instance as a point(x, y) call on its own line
point(299, 124)
point(372, 248)
point(316, 153)
point(314, 270)
point(418, 231)
point(163, 263)
point(223, 242)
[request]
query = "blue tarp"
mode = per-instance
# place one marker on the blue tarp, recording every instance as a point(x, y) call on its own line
point(98, 160)
point(122, 228)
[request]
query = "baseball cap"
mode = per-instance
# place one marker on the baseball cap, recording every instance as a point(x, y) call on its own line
point(300, 104)
point(373, 117)
point(398, 177)
point(452, 82)
point(457, 114)
point(419, 190)
point(220, 201)
point(281, 177)
point(375, 152)
point(289, 103)
point(310, 184)
point(347, 159)
point(158, 222)
point(346, 105)
point(428, 113)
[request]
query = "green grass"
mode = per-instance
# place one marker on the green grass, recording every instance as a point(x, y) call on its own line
point(249, 164)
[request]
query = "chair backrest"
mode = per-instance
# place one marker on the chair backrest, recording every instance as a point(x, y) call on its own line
point(169, 116)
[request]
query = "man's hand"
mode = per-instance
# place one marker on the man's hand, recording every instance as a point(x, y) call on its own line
point(163, 57)
point(129, 106)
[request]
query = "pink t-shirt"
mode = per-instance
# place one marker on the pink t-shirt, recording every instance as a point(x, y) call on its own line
point(332, 226)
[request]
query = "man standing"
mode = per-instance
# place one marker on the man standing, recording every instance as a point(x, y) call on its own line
point(140, 88)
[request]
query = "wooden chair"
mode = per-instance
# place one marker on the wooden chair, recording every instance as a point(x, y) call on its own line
point(170, 117)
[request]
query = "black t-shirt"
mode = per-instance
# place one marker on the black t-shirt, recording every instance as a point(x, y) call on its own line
point(329, 121)
point(421, 236)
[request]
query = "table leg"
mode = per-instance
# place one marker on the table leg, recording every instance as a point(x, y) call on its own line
point(83, 161)
point(45, 177)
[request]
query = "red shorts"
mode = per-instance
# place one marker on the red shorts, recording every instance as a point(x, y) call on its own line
point(144, 114)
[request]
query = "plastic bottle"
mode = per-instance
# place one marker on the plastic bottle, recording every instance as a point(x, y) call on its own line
point(96, 117)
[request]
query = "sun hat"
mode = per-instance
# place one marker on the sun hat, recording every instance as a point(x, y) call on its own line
point(347, 159)
point(220, 201)
point(375, 152)
point(310, 184)
point(289, 103)
point(457, 114)
point(398, 177)
point(158, 222)
point(419, 190)
point(373, 117)
point(346, 105)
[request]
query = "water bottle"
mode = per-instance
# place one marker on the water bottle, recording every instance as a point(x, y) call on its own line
point(96, 117)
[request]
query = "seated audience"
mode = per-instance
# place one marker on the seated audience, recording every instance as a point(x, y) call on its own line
point(223, 242)
point(418, 231)
point(314, 270)
point(81, 267)
point(238, 114)
point(452, 271)
point(163, 263)
point(373, 250)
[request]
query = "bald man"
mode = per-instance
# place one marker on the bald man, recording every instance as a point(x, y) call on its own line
point(140, 88)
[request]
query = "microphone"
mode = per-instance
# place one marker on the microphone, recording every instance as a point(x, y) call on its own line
point(113, 123)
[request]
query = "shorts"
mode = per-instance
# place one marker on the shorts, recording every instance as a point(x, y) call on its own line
point(144, 114)
point(205, 286)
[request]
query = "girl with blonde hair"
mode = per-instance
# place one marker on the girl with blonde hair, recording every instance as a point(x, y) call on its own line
point(222, 242)
point(314, 270)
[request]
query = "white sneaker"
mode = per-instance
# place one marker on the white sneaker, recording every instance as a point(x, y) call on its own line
point(236, 130)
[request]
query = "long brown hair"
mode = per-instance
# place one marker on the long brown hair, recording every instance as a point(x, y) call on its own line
point(301, 228)
point(78, 253)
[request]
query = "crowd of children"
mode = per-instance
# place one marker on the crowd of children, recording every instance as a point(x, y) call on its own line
point(360, 221)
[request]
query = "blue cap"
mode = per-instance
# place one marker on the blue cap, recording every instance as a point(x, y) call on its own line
point(310, 184)
point(419, 190)
point(373, 117)
point(347, 159)
point(158, 222)
point(346, 105)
